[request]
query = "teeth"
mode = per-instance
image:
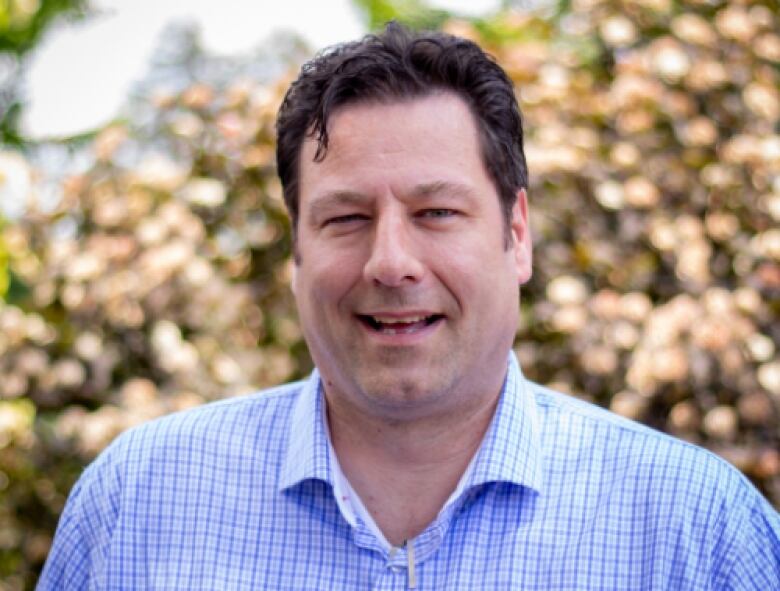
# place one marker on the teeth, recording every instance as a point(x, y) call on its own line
point(398, 320)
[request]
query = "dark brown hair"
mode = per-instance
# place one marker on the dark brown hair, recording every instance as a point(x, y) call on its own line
point(398, 64)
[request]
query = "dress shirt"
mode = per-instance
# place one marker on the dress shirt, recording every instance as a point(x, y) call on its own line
point(238, 495)
point(351, 505)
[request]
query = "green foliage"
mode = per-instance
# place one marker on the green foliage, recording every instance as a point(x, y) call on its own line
point(22, 25)
point(5, 278)
point(9, 123)
point(413, 13)
point(23, 22)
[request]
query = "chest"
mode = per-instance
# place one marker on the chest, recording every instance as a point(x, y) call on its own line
point(500, 540)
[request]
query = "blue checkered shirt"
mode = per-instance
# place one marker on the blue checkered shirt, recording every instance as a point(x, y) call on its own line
point(562, 495)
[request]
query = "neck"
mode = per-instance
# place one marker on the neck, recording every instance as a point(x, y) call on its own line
point(421, 443)
point(404, 471)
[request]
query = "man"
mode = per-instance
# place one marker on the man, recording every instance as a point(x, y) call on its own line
point(416, 455)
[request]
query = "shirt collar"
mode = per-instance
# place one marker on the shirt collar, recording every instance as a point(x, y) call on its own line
point(510, 452)
point(307, 448)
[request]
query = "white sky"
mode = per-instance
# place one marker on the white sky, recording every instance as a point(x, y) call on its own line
point(80, 76)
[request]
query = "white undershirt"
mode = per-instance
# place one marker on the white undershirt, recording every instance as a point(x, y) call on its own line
point(352, 507)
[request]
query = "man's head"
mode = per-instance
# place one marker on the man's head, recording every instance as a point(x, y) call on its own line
point(406, 290)
point(401, 158)
point(395, 66)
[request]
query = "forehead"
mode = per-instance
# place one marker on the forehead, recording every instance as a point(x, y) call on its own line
point(424, 140)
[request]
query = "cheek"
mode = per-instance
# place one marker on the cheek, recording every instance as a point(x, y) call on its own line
point(469, 260)
point(324, 282)
point(458, 270)
point(483, 281)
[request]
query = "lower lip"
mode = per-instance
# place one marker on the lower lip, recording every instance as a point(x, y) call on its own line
point(401, 337)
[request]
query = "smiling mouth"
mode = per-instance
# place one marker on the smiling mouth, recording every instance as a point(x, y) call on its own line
point(408, 325)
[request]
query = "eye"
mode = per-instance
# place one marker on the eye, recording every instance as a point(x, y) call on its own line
point(345, 219)
point(438, 213)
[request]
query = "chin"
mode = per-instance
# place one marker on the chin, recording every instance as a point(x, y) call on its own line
point(391, 393)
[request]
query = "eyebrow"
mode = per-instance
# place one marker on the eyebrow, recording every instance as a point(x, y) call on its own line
point(340, 197)
point(444, 187)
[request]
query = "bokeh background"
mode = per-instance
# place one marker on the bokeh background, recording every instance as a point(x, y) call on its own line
point(144, 265)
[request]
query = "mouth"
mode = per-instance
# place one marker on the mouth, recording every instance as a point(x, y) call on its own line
point(399, 324)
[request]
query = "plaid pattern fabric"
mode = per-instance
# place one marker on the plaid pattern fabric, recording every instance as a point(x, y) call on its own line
point(563, 495)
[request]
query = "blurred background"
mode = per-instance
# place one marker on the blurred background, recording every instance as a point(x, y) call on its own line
point(145, 251)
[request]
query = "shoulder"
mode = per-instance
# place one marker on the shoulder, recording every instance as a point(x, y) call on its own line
point(679, 494)
point(235, 423)
point(172, 470)
point(573, 427)
point(247, 430)
point(624, 456)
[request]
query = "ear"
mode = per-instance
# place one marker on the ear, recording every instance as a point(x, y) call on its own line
point(521, 237)
point(294, 276)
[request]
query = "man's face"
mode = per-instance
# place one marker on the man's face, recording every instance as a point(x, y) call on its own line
point(407, 294)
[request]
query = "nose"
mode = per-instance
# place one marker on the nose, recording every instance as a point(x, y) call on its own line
point(394, 260)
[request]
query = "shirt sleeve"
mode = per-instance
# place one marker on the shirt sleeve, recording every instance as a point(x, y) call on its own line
point(748, 555)
point(83, 535)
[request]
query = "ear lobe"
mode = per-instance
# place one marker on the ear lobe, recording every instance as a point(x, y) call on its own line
point(294, 278)
point(521, 237)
